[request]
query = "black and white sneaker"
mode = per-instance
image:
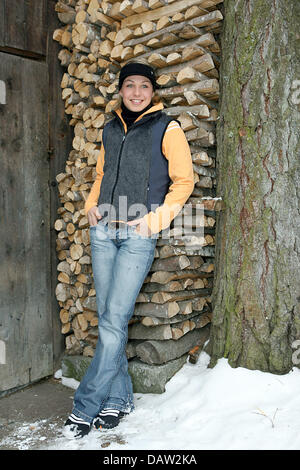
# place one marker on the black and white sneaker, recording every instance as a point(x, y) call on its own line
point(75, 427)
point(108, 418)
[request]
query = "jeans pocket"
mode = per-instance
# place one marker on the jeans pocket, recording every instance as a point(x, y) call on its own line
point(100, 223)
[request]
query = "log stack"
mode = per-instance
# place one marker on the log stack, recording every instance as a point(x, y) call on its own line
point(178, 38)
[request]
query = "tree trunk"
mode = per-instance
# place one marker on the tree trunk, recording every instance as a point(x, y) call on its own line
point(256, 295)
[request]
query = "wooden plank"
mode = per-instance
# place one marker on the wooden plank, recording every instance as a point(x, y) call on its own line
point(2, 22)
point(171, 9)
point(60, 143)
point(12, 287)
point(25, 26)
point(25, 249)
point(36, 223)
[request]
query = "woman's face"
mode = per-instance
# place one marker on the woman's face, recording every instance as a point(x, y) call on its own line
point(137, 92)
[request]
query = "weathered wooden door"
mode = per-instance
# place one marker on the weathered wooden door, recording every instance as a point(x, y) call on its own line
point(25, 306)
point(34, 142)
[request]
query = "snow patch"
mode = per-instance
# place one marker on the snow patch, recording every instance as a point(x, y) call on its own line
point(201, 409)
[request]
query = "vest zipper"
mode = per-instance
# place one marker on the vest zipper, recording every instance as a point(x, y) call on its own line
point(120, 152)
point(119, 157)
point(118, 168)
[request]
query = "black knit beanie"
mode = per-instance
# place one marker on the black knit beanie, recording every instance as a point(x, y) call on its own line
point(135, 68)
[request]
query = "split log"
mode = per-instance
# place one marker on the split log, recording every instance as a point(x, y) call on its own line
point(206, 87)
point(139, 331)
point(176, 7)
point(140, 6)
point(188, 74)
point(163, 297)
point(154, 321)
point(159, 352)
point(163, 277)
point(172, 264)
point(166, 311)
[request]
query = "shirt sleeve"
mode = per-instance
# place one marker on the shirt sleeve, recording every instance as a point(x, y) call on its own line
point(93, 196)
point(176, 149)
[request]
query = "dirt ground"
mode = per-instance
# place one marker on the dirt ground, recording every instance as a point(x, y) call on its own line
point(34, 416)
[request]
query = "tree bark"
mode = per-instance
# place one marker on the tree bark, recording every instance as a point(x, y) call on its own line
point(256, 295)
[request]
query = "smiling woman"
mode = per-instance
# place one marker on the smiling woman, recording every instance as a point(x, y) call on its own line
point(137, 92)
point(152, 78)
point(145, 168)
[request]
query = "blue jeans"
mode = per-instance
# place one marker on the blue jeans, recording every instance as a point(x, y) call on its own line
point(121, 259)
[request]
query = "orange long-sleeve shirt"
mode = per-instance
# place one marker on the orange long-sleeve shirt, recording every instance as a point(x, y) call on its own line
point(176, 150)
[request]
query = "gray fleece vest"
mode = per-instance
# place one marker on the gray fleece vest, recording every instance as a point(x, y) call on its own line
point(136, 177)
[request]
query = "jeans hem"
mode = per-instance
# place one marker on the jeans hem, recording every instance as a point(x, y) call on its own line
point(82, 415)
point(116, 406)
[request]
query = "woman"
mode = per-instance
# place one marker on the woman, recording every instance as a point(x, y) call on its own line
point(144, 176)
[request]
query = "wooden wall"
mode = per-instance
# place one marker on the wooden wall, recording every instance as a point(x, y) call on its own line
point(34, 140)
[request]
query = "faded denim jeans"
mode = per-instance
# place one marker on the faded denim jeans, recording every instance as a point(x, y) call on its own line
point(121, 259)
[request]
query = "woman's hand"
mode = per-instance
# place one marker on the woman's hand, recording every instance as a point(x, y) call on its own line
point(93, 216)
point(141, 227)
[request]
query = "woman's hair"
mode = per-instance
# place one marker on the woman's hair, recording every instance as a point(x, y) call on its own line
point(156, 98)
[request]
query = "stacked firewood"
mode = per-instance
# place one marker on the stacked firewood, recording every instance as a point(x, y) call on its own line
point(178, 38)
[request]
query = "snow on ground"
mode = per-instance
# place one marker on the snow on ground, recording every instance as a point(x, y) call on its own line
point(202, 408)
